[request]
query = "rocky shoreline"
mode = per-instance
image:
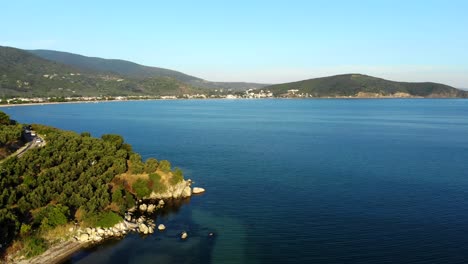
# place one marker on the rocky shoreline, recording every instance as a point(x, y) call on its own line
point(136, 219)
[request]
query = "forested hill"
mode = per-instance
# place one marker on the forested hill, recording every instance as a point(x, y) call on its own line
point(356, 85)
point(73, 178)
point(133, 70)
point(24, 74)
point(120, 67)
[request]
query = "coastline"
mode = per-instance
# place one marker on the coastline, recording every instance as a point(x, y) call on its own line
point(56, 254)
point(228, 99)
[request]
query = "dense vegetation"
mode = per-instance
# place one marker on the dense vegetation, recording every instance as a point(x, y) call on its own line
point(26, 75)
point(133, 70)
point(10, 135)
point(352, 84)
point(74, 177)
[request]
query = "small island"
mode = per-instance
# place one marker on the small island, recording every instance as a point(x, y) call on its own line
point(73, 189)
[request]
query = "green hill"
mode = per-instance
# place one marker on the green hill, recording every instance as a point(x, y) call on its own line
point(119, 67)
point(134, 70)
point(27, 75)
point(358, 85)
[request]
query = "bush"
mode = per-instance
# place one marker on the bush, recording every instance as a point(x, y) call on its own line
point(52, 216)
point(34, 246)
point(108, 219)
point(177, 176)
point(156, 184)
point(141, 188)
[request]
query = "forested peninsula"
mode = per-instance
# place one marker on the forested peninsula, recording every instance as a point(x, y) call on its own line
point(74, 182)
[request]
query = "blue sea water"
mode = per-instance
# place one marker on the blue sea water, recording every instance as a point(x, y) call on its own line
point(294, 181)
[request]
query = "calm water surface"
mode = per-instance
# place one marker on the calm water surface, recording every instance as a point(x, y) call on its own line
point(294, 181)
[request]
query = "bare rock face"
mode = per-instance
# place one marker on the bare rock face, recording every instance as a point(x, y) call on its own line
point(187, 192)
point(175, 191)
point(161, 227)
point(197, 190)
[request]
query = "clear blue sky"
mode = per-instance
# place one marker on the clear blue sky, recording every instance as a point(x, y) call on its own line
point(261, 41)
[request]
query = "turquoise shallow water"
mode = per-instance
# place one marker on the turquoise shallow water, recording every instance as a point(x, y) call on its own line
point(294, 181)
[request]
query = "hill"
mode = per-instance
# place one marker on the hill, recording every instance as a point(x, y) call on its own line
point(133, 70)
point(358, 85)
point(25, 74)
point(111, 66)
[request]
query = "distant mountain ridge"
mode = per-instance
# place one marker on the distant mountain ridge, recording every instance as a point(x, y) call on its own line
point(359, 85)
point(134, 70)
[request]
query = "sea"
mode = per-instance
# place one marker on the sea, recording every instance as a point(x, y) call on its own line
point(291, 180)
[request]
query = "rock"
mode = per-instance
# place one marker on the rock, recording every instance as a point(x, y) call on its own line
point(151, 208)
point(143, 207)
point(83, 237)
point(161, 227)
point(197, 190)
point(161, 203)
point(101, 231)
point(128, 217)
point(150, 230)
point(88, 230)
point(143, 228)
point(187, 192)
point(184, 235)
point(69, 230)
point(96, 238)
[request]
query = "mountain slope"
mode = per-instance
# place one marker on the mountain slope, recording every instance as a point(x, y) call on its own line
point(134, 70)
point(24, 74)
point(363, 85)
point(120, 67)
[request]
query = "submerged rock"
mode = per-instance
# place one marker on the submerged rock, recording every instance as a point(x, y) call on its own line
point(184, 235)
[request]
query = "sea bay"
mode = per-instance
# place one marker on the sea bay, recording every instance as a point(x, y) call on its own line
point(294, 181)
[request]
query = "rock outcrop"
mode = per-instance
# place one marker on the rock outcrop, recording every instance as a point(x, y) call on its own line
point(179, 190)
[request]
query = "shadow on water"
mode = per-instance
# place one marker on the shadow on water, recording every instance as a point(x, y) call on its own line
point(159, 247)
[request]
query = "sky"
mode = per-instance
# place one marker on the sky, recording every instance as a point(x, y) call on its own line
point(255, 40)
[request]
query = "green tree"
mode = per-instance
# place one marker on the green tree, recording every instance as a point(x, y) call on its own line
point(141, 189)
point(165, 165)
point(151, 165)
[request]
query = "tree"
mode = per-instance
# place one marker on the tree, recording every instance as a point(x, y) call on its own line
point(151, 165)
point(165, 165)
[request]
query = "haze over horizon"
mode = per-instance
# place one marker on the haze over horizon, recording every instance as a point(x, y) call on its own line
point(256, 41)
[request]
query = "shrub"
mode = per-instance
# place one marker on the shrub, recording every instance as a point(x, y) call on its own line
point(156, 184)
point(52, 216)
point(108, 219)
point(34, 246)
point(177, 176)
point(141, 188)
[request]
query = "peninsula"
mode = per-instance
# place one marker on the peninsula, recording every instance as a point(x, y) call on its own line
point(74, 189)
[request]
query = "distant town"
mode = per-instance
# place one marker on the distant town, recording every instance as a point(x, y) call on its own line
point(249, 94)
